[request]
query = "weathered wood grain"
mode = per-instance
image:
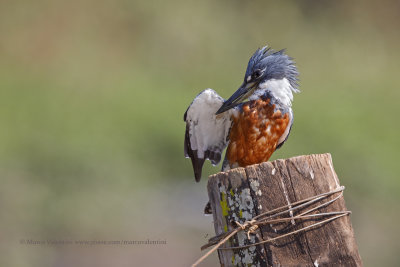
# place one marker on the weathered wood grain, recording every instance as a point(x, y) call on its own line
point(242, 193)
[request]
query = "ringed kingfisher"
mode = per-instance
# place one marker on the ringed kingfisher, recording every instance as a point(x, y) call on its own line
point(253, 123)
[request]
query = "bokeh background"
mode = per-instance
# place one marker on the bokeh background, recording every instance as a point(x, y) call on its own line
point(92, 95)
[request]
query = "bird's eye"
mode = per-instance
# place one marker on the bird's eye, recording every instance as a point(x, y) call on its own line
point(257, 74)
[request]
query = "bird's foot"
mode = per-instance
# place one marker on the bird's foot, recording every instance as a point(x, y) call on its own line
point(207, 209)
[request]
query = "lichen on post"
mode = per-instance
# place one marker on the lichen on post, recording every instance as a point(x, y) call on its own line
point(231, 193)
point(243, 193)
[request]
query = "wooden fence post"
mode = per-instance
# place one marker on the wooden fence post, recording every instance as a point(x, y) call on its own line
point(242, 193)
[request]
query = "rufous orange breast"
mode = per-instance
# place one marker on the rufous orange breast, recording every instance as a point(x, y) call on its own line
point(255, 133)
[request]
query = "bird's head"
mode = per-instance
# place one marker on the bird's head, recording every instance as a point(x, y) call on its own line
point(267, 71)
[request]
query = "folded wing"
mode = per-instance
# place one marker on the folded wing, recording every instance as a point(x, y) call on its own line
point(206, 134)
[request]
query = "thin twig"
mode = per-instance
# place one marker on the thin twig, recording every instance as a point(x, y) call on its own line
point(216, 247)
point(284, 235)
point(292, 207)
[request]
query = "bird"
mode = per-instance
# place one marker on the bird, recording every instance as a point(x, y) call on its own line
point(254, 122)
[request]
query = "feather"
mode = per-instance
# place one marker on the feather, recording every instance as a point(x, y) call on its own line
point(206, 134)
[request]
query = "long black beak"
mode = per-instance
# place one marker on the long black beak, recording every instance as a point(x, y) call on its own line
point(235, 99)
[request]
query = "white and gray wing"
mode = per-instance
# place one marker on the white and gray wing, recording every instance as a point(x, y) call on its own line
point(286, 133)
point(206, 134)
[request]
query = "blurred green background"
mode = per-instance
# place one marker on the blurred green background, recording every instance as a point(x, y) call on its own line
point(92, 95)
